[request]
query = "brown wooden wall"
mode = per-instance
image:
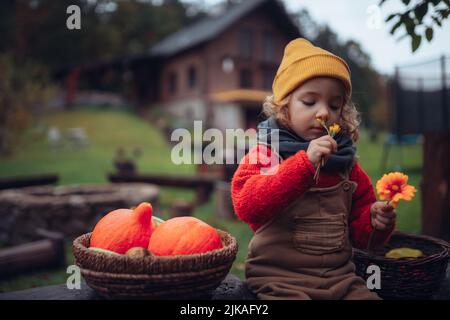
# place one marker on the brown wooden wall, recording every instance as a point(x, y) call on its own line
point(258, 22)
point(180, 65)
point(207, 59)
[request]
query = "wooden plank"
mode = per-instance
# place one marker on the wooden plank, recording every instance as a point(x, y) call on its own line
point(231, 288)
point(166, 180)
point(47, 253)
point(435, 185)
point(203, 185)
point(55, 292)
point(27, 181)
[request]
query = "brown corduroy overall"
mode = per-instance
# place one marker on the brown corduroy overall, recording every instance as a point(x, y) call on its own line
point(305, 251)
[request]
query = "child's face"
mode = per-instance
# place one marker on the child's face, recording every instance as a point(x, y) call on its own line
point(316, 98)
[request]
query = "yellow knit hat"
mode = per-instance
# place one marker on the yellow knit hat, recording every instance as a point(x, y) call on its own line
point(303, 61)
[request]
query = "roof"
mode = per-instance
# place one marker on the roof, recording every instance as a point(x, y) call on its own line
point(210, 27)
point(240, 95)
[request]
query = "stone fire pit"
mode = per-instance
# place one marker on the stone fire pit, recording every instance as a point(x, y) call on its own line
point(71, 210)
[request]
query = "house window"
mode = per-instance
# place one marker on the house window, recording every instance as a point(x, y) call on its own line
point(268, 79)
point(269, 48)
point(246, 43)
point(246, 80)
point(192, 77)
point(172, 82)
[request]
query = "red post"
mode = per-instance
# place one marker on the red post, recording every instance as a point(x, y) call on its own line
point(71, 86)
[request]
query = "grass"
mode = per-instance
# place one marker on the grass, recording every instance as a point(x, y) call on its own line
point(109, 129)
point(106, 131)
point(370, 153)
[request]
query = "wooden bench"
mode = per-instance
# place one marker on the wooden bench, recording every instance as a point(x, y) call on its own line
point(202, 184)
point(48, 252)
point(231, 288)
point(28, 181)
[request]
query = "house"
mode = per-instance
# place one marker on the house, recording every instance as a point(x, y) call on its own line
point(219, 69)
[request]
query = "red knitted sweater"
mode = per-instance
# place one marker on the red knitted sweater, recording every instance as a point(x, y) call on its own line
point(259, 197)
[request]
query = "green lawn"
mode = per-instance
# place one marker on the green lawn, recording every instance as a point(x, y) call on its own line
point(109, 129)
point(106, 131)
point(370, 154)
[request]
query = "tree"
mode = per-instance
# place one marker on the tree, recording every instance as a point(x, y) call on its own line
point(419, 19)
point(24, 88)
point(36, 29)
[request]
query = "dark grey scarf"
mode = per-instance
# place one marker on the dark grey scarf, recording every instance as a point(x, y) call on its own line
point(290, 143)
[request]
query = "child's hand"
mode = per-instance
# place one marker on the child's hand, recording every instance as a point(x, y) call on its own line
point(321, 147)
point(382, 215)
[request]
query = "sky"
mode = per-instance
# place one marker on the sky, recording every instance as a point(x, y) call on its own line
point(357, 20)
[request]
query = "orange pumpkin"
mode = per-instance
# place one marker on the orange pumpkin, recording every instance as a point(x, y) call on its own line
point(123, 229)
point(183, 236)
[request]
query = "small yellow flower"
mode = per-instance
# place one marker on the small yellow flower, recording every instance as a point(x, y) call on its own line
point(320, 120)
point(322, 123)
point(334, 129)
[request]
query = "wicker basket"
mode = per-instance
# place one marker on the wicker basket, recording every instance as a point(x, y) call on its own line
point(407, 278)
point(154, 277)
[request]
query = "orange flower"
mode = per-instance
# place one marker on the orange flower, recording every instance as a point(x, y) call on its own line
point(394, 187)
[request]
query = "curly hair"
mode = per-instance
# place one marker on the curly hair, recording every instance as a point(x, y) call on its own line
point(350, 118)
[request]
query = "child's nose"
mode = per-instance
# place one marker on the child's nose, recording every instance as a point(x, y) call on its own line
point(322, 113)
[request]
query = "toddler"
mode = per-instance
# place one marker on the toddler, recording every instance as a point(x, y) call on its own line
point(304, 227)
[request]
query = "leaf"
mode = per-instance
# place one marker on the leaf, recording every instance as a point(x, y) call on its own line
point(415, 43)
point(445, 13)
point(406, 2)
point(429, 34)
point(409, 24)
point(390, 17)
point(400, 253)
point(420, 11)
point(438, 22)
point(396, 26)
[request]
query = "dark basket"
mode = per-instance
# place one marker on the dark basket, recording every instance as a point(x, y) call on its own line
point(407, 278)
point(154, 277)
